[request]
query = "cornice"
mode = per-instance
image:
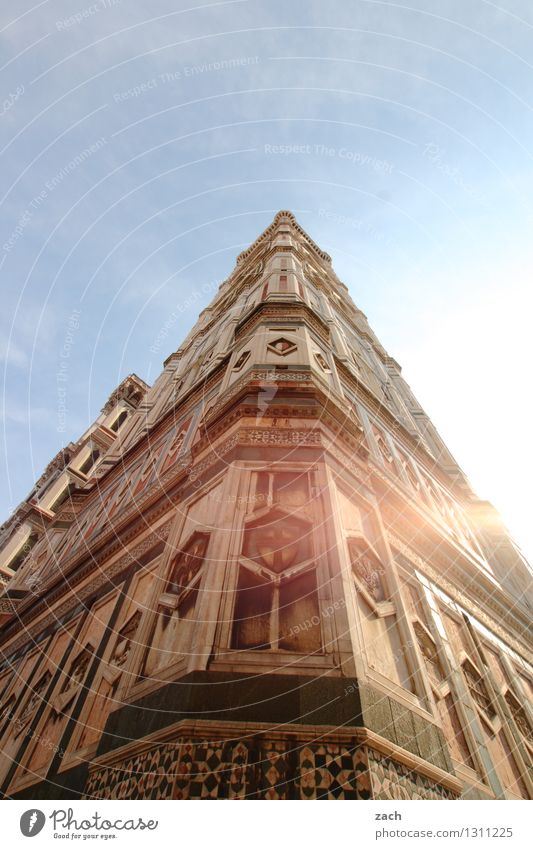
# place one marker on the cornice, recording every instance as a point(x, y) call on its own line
point(131, 384)
point(287, 311)
point(340, 417)
point(295, 375)
point(269, 231)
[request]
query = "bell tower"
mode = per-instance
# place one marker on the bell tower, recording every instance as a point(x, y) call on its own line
point(274, 581)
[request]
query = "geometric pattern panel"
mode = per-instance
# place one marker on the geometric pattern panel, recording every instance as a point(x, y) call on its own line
point(212, 770)
point(236, 769)
point(393, 780)
point(146, 775)
point(330, 771)
point(275, 769)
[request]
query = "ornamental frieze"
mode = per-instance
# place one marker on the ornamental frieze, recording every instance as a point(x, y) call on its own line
point(271, 376)
point(271, 436)
point(283, 312)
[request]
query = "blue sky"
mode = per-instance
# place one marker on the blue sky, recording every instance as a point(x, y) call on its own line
point(144, 145)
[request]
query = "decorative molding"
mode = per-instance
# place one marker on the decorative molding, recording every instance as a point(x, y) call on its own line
point(283, 376)
point(280, 436)
point(131, 387)
point(272, 311)
point(247, 379)
point(265, 235)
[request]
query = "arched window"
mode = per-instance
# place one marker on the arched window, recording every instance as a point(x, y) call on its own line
point(276, 604)
point(61, 498)
point(87, 465)
point(121, 418)
point(22, 552)
point(176, 607)
point(385, 649)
